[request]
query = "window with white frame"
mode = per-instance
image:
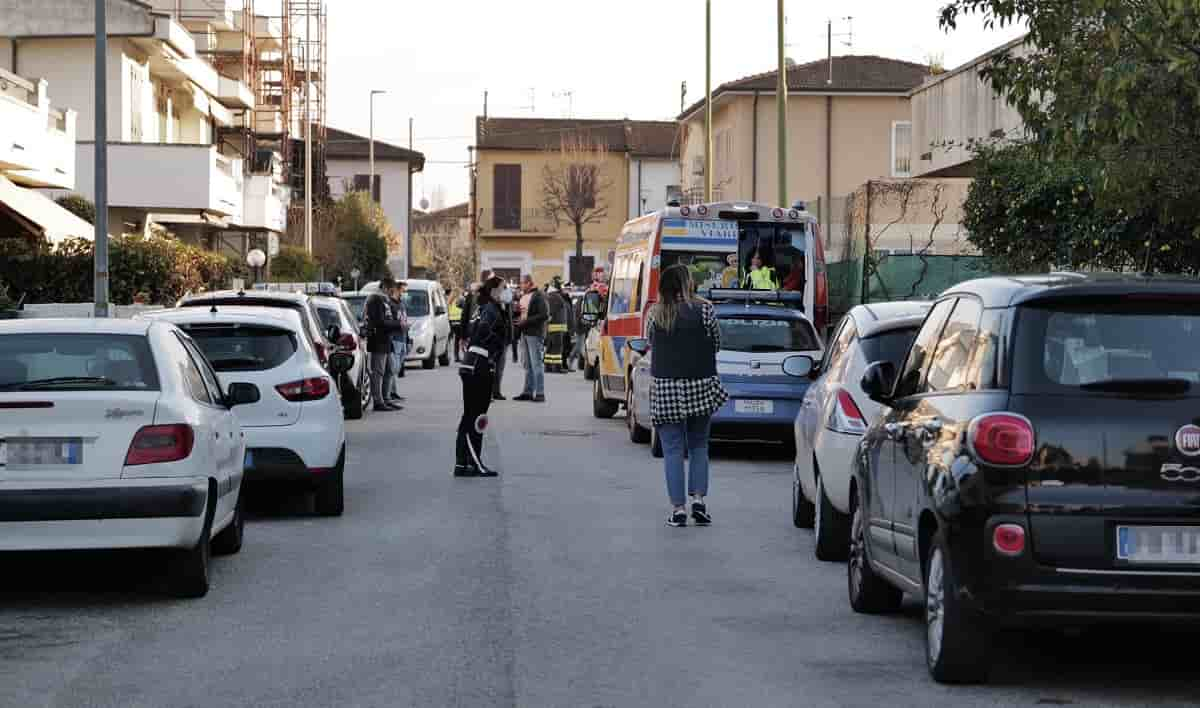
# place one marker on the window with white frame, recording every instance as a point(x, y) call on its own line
point(902, 148)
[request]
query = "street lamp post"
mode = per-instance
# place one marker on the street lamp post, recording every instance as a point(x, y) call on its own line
point(256, 259)
point(354, 274)
point(371, 186)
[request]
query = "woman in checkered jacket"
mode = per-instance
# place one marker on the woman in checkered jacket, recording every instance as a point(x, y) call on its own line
point(685, 390)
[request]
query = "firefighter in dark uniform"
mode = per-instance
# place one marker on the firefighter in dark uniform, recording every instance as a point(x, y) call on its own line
point(556, 332)
point(484, 348)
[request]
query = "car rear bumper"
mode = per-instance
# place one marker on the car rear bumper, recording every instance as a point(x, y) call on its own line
point(118, 513)
point(728, 422)
point(315, 440)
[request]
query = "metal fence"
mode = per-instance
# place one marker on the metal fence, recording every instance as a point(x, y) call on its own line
point(899, 277)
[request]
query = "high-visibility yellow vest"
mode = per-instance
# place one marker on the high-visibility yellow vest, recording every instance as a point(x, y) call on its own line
point(455, 312)
point(762, 279)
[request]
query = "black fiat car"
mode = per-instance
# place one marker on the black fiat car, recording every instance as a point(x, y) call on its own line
point(1037, 460)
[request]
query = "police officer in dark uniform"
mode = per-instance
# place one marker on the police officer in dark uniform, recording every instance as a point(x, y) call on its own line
point(484, 348)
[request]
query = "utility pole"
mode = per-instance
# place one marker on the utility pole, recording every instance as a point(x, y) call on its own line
point(100, 253)
point(308, 200)
point(781, 98)
point(410, 133)
point(708, 141)
point(371, 186)
point(682, 96)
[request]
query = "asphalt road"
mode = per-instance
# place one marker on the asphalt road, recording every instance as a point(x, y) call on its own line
point(555, 585)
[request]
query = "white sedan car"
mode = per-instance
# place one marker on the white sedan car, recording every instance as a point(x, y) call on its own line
point(836, 413)
point(296, 434)
point(117, 434)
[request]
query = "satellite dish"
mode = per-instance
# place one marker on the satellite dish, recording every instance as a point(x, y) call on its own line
point(424, 204)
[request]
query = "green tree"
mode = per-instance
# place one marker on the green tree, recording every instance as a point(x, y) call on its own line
point(294, 265)
point(1114, 86)
point(79, 206)
point(361, 230)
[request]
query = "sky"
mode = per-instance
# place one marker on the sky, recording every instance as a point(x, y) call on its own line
point(616, 58)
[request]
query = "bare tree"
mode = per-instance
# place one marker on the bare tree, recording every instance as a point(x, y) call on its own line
point(575, 186)
point(451, 256)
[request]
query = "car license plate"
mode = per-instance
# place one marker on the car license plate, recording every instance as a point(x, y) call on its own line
point(1159, 544)
point(29, 452)
point(754, 407)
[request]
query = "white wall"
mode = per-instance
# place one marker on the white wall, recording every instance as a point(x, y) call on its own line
point(657, 175)
point(68, 64)
point(393, 185)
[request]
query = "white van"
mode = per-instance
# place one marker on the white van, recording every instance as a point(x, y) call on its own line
point(428, 321)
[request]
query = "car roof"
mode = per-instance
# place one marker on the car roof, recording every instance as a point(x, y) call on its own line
point(262, 295)
point(877, 318)
point(326, 300)
point(230, 314)
point(1018, 290)
point(779, 312)
point(75, 325)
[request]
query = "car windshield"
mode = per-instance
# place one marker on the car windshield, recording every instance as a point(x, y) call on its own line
point(416, 303)
point(244, 348)
point(890, 346)
point(709, 270)
point(329, 318)
point(76, 362)
point(766, 334)
point(357, 305)
point(1110, 345)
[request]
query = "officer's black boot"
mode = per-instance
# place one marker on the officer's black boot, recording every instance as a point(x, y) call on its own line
point(463, 465)
point(482, 470)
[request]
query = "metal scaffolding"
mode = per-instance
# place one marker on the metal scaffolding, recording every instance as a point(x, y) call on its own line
point(307, 21)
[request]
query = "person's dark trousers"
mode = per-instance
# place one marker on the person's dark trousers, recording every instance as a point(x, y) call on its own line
point(499, 377)
point(477, 397)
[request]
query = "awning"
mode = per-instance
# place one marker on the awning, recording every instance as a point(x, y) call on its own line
point(42, 214)
point(198, 218)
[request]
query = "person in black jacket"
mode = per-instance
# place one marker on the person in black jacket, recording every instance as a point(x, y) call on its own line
point(532, 326)
point(484, 349)
point(383, 327)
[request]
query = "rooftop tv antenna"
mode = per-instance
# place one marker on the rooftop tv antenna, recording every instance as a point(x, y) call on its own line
point(570, 96)
point(532, 107)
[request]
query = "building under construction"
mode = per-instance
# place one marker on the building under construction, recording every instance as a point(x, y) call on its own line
point(279, 49)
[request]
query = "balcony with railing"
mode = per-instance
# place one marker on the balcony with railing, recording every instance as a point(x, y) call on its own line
point(37, 143)
point(168, 177)
point(516, 223)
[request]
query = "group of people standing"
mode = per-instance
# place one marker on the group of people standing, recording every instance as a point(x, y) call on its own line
point(387, 342)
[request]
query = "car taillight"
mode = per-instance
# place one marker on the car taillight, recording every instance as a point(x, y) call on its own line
point(347, 341)
point(305, 390)
point(1001, 439)
point(160, 443)
point(322, 355)
point(1009, 539)
point(847, 418)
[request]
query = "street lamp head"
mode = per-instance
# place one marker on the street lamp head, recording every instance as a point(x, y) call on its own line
point(256, 258)
point(356, 273)
point(377, 91)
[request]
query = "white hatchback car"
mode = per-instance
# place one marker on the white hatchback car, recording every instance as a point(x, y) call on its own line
point(428, 322)
point(295, 435)
point(117, 434)
point(836, 413)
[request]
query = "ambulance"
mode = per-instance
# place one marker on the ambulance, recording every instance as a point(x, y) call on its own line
point(717, 242)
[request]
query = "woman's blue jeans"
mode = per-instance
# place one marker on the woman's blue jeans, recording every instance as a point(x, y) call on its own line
point(689, 435)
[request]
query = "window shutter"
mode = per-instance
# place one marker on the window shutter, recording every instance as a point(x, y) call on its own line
point(507, 197)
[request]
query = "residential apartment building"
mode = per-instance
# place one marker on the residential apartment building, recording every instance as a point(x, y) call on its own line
point(181, 109)
point(442, 243)
point(348, 167)
point(514, 233)
point(37, 149)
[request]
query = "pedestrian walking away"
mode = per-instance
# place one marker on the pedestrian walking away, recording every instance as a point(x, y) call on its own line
point(532, 325)
point(381, 326)
point(685, 389)
point(484, 349)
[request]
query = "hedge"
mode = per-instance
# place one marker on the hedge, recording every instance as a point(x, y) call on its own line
point(161, 268)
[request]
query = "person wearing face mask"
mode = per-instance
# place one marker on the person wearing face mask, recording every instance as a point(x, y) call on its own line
point(504, 301)
point(484, 349)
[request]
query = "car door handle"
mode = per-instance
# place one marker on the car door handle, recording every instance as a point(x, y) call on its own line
point(895, 431)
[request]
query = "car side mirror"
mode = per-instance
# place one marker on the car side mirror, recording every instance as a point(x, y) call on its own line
point(800, 365)
point(242, 394)
point(879, 381)
point(640, 346)
point(340, 363)
point(439, 310)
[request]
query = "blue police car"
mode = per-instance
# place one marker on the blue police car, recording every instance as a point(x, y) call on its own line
point(768, 347)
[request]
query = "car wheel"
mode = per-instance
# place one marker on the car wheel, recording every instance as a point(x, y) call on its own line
point(589, 371)
point(655, 444)
point(229, 541)
point(189, 568)
point(330, 498)
point(637, 433)
point(831, 528)
point(352, 403)
point(956, 637)
point(869, 593)
point(802, 509)
point(365, 394)
point(430, 362)
point(601, 406)
point(444, 358)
